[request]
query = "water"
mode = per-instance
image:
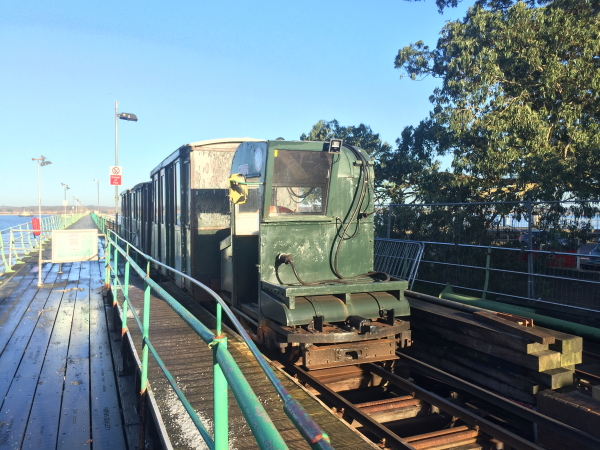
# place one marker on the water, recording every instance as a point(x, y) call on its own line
point(12, 221)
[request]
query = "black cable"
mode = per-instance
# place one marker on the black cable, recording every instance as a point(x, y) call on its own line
point(365, 178)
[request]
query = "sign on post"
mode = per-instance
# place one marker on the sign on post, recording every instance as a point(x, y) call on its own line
point(115, 174)
point(74, 245)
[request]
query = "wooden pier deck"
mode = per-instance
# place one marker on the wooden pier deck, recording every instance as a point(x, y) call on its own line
point(57, 383)
point(61, 387)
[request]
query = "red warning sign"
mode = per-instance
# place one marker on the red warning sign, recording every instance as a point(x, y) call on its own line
point(115, 180)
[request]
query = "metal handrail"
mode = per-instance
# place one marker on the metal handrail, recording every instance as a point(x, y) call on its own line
point(20, 243)
point(226, 372)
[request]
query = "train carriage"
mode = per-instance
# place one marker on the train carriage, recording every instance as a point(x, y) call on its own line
point(136, 205)
point(283, 230)
point(191, 210)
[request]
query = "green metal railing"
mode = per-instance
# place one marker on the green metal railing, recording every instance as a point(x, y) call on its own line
point(18, 241)
point(226, 373)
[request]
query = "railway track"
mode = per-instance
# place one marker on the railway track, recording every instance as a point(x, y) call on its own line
point(407, 404)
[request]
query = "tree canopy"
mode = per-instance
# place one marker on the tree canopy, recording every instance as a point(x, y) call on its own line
point(518, 108)
point(361, 136)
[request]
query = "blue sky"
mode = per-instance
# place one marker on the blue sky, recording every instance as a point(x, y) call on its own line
point(191, 70)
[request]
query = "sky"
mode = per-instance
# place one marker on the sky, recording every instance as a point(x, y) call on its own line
point(190, 71)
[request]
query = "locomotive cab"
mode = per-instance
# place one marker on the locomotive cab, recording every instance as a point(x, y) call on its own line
point(299, 260)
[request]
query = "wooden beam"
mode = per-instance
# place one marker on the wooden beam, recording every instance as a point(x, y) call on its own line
point(532, 333)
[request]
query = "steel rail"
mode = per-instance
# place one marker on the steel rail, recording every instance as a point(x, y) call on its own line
point(379, 430)
point(490, 397)
point(484, 425)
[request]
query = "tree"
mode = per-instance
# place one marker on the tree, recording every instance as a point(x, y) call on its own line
point(361, 136)
point(519, 105)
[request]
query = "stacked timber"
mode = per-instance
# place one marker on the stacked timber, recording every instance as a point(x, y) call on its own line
point(503, 356)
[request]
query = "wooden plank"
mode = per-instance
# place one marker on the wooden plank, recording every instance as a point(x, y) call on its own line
point(126, 383)
point(74, 426)
point(528, 386)
point(531, 333)
point(12, 310)
point(74, 272)
point(13, 352)
point(107, 426)
point(571, 359)
point(554, 378)
point(538, 361)
point(464, 323)
point(42, 429)
point(477, 377)
point(10, 291)
point(19, 398)
point(564, 343)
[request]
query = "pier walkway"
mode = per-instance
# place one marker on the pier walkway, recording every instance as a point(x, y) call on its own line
point(57, 383)
point(61, 387)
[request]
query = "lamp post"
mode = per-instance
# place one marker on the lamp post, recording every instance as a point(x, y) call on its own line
point(41, 161)
point(65, 199)
point(75, 203)
point(131, 118)
point(98, 186)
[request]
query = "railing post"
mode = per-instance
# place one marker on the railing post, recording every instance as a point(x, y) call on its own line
point(25, 252)
point(107, 265)
point(125, 302)
point(530, 280)
point(17, 259)
point(487, 272)
point(389, 224)
point(220, 397)
point(144, 377)
point(116, 280)
point(7, 267)
point(29, 239)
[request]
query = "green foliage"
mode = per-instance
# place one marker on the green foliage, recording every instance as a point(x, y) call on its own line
point(518, 109)
point(361, 136)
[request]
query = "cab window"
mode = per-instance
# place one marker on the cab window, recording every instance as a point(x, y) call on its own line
point(300, 182)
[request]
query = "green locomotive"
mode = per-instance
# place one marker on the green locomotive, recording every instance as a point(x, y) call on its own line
point(293, 255)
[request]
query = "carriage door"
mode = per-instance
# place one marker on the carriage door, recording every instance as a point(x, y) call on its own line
point(185, 220)
point(156, 217)
point(163, 220)
point(177, 238)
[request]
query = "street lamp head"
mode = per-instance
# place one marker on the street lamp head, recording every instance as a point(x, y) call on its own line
point(96, 180)
point(128, 116)
point(45, 163)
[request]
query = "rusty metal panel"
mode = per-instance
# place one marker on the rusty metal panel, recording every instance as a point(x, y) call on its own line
point(211, 166)
point(350, 353)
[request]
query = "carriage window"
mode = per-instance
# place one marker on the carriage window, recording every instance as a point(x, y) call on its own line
point(300, 182)
point(177, 184)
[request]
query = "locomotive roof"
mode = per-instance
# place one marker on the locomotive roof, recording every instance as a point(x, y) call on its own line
point(169, 159)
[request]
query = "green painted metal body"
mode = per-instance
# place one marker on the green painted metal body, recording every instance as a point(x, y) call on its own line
point(297, 305)
point(565, 326)
point(225, 370)
point(262, 229)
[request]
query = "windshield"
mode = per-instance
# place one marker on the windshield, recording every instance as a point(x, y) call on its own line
point(300, 182)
